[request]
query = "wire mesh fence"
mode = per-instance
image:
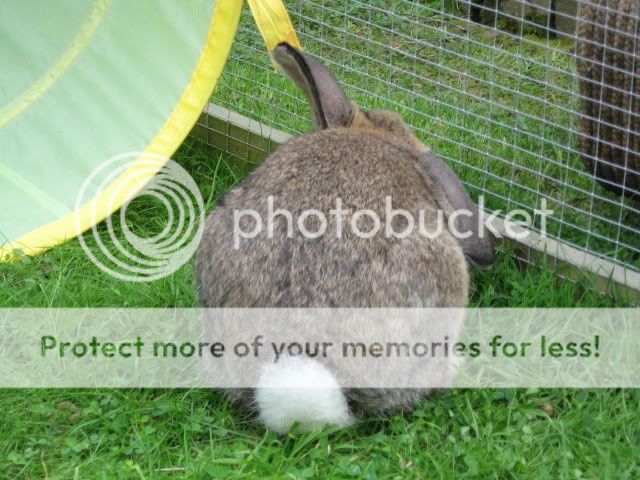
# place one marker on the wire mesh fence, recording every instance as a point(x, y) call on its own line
point(525, 99)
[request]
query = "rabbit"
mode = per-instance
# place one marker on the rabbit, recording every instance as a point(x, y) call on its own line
point(362, 158)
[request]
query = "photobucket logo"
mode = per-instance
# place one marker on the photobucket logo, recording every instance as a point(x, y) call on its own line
point(159, 223)
point(395, 223)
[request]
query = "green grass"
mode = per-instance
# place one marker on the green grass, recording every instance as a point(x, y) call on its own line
point(179, 434)
point(195, 435)
point(468, 434)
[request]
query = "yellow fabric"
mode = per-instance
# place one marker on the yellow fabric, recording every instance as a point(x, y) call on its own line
point(209, 67)
point(274, 23)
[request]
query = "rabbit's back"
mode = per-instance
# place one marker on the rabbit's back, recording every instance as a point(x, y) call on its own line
point(315, 171)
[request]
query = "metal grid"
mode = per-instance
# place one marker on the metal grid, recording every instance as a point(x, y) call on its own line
point(493, 87)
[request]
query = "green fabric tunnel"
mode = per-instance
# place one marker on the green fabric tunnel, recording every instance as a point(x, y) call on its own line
point(82, 81)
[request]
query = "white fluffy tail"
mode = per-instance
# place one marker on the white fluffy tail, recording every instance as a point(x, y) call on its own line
point(299, 389)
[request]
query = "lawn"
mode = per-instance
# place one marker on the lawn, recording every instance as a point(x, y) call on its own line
point(196, 434)
point(179, 434)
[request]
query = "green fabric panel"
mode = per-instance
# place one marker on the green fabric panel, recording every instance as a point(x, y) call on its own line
point(51, 24)
point(113, 98)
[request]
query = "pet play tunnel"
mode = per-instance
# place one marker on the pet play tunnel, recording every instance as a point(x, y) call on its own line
point(82, 82)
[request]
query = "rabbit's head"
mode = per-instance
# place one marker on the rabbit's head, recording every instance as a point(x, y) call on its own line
point(332, 109)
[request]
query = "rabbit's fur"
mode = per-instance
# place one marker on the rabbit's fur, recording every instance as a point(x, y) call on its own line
point(360, 158)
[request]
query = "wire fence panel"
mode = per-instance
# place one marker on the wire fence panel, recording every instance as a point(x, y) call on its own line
point(525, 99)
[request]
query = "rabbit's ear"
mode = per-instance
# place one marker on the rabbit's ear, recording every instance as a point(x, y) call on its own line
point(478, 247)
point(330, 106)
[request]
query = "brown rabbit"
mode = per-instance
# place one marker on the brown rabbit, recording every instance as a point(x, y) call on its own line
point(362, 159)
